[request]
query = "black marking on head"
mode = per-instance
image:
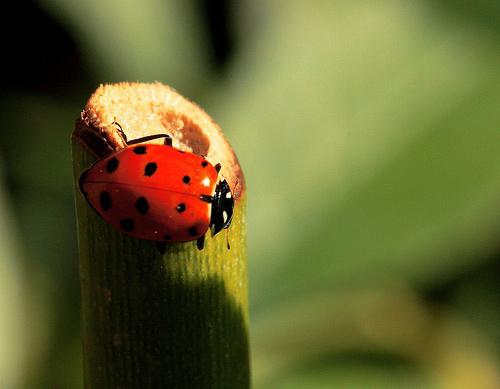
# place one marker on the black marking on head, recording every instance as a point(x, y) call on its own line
point(112, 165)
point(161, 247)
point(193, 231)
point(181, 207)
point(150, 169)
point(206, 198)
point(204, 164)
point(186, 179)
point(127, 225)
point(222, 207)
point(140, 150)
point(167, 237)
point(105, 201)
point(142, 205)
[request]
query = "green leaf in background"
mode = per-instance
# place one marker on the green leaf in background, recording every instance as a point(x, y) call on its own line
point(23, 308)
point(369, 132)
point(356, 375)
point(38, 169)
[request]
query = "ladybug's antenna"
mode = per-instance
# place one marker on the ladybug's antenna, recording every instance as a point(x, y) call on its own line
point(227, 239)
point(120, 131)
point(118, 125)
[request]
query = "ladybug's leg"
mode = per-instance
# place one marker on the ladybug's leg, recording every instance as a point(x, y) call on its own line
point(200, 242)
point(207, 198)
point(120, 131)
point(168, 139)
point(161, 247)
point(227, 239)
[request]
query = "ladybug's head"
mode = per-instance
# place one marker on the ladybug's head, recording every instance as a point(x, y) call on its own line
point(222, 207)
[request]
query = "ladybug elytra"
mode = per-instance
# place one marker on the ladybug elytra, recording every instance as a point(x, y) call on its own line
point(159, 193)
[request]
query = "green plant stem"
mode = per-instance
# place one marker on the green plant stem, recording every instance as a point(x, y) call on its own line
point(178, 320)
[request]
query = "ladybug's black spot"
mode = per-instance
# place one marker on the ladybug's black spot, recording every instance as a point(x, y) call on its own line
point(105, 200)
point(193, 231)
point(186, 179)
point(167, 237)
point(150, 169)
point(112, 165)
point(127, 225)
point(142, 205)
point(204, 164)
point(140, 150)
point(181, 207)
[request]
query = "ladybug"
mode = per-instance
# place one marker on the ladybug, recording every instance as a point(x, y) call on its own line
point(159, 193)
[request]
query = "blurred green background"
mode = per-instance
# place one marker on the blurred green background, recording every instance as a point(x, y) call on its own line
point(369, 134)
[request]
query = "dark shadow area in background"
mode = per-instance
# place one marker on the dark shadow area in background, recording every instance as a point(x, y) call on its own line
point(473, 294)
point(40, 56)
point(218, 19)
point(486, 274)
point(484, 14)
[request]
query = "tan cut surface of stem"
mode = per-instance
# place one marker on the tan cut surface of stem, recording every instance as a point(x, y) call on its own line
point(178, 320)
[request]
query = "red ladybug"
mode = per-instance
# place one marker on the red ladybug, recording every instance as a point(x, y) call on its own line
point(156, 192)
